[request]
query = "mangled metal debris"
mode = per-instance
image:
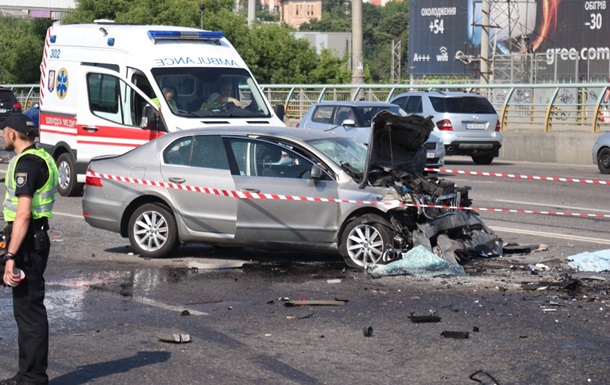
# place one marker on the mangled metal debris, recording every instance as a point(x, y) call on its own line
point(438, 215)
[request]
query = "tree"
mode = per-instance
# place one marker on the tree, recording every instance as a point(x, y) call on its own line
point(21, 44)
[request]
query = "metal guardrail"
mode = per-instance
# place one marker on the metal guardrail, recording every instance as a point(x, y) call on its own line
point(521, 107)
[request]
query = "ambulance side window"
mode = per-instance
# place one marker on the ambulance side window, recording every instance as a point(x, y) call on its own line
point(112, 99)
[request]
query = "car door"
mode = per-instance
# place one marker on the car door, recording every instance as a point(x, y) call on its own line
point(277, 174)
point(199, 169)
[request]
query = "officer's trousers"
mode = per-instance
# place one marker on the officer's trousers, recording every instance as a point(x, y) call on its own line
point(31, 316)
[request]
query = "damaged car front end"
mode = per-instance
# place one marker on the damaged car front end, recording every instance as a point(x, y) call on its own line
point(427, 211)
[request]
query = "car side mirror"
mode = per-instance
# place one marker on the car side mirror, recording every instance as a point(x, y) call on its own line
point(150, 118)
point(316, 172)
point(348, 123)
point(280, 111)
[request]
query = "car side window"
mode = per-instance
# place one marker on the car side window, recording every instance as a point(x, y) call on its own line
point(413, 105)
point(323, 114)
point(344, 113)
point(209, 152)
point(179, 152)
point(264, 159)
point(400, 102)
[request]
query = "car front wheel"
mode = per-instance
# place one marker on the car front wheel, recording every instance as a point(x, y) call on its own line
point(364, 240)
point(603, 160)
point(152, 231)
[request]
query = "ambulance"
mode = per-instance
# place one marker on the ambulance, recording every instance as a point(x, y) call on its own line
point(105, 89)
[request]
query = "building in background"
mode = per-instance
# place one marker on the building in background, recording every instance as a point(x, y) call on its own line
point(339, 43)
point(297, 12)
point(53, 10)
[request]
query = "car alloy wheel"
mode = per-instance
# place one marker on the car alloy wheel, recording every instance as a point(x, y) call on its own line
point(364, 240)
point(152, 231)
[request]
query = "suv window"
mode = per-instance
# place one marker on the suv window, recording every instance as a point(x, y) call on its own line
point(462, 105)
point(413, 105)
point(7, 95)
point(323, 114)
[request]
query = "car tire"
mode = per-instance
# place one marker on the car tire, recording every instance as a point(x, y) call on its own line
point(152, 231)
point(66, 167)
point(482, 159)
point(364, 240)
point(603, 160)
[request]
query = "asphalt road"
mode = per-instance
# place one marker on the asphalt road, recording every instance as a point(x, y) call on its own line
point(108, 307)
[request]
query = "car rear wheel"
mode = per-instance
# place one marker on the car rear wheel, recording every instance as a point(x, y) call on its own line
point(152, 231)
point(482, 159)
point(67, 186)
point(603, 160)
point(364, 240)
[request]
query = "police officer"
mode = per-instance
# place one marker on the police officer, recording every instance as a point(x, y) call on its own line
point(31, 186)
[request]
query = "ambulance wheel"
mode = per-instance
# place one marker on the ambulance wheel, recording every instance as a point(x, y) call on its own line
point(152, 231)
point(67, 186)
point(364, 240)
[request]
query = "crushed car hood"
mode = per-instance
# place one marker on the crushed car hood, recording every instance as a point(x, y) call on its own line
point(396, 146)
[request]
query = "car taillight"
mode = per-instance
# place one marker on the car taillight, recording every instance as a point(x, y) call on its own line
point(91, 180)
point(498, 125)
point(444, 125)
point(17, 106)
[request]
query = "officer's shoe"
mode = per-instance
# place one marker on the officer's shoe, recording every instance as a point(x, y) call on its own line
point(15, 380)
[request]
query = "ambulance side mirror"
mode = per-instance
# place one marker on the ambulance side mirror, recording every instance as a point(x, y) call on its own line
point(150, 118)
point(280, 111)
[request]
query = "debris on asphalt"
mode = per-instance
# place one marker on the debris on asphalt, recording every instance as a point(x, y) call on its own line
point(590, 275)
point(314, 302)
point(455, 334)
point(215, 266)
point(480, 373)
point(177, 338)
point(418, 261)
point(368, 331)
point(424, 318)
point(337, 280)
point(597, 261)
point(514, 248)
point(185, 312)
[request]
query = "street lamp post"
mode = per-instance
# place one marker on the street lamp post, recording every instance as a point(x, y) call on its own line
point(201, 7)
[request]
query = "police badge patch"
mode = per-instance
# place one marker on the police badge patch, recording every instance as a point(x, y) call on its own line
point(21, 179)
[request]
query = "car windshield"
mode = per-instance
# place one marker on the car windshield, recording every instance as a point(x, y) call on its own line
point(463, 105)
point(367, 113)
point(345, 152)
point(212, 92)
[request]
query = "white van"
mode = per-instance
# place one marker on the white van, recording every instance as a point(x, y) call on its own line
point(103, 90)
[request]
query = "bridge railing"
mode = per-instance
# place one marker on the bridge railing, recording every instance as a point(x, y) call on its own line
point(535, 107)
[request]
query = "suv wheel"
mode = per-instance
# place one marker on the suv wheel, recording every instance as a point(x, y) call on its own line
point(482, 159)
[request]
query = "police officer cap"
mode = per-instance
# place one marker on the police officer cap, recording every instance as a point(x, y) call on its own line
point(21, 123)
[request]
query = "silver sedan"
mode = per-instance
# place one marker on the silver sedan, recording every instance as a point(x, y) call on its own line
point(259, 187)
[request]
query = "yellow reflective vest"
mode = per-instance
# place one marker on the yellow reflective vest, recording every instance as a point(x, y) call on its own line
point(43, 199)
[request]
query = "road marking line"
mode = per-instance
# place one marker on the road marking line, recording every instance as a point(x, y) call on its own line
point(585, 209)
point(165, 306)
point(552, 235)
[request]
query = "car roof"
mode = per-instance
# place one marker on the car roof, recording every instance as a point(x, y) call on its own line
point(253, 131)
point(361, 103)
point(448, 94)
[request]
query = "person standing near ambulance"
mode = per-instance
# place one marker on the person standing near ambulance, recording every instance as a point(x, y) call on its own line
point(31, 187)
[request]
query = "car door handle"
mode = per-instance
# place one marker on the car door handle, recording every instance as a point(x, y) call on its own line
point(177, 180)
point(90, 128)
point(252, 190)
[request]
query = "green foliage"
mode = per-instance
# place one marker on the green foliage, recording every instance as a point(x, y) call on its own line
point(21, 44)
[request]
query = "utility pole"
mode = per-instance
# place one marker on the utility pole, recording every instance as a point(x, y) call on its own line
point(357, 56)
point(201, 8)
point(484, 60)
point(251, 11)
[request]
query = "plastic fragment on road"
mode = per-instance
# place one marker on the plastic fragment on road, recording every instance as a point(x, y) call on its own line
point(455, 334)
point(596, 261)
point(418, 261)
point(315, 302)
point(424, 318)
point(177, 338)
point(480, 373)
point(368, 331)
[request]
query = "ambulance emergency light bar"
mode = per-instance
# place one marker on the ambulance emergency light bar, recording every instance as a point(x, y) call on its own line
point(186, 35)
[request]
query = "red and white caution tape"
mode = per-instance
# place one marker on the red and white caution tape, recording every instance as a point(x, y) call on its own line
point(519, 176)
point(254, 195)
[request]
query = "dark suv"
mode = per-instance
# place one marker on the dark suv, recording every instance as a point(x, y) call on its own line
point(8, 104)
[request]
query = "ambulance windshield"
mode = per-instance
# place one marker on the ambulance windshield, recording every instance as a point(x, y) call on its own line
point(211, 92)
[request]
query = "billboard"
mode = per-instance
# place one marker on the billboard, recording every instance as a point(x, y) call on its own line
point(445, 35)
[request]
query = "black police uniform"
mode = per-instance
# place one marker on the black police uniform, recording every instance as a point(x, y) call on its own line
point(28, 297)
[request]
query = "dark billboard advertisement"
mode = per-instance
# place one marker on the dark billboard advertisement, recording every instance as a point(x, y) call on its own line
point(573, 35)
